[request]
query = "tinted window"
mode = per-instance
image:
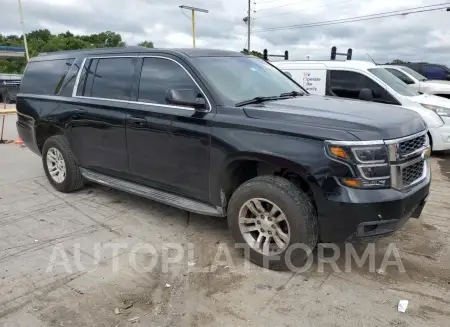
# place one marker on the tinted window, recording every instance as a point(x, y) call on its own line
point(400, 75)
point(237, 79)
point(348, 84)
point(392, 81)
point(159, 75)
point(413, 73)
point(45, 77)
point(435, 72)
point(111, 80)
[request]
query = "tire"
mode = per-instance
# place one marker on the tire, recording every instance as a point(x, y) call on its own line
point(73, 180)
point(300, 219)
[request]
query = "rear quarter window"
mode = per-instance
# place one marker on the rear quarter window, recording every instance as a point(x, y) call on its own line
point(45, 77)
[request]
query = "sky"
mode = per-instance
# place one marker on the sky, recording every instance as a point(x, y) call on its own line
point(418, 37)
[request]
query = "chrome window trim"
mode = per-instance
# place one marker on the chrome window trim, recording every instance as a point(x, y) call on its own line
point(77, 81)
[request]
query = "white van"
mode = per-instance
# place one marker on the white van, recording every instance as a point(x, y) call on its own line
point(418, 82)
point(367, 81)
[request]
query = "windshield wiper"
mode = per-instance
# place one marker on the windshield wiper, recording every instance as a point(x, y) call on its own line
point(292, 94)
point(256, 100)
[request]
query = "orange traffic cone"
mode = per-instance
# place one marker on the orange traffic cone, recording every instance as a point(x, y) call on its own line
point(19, 141)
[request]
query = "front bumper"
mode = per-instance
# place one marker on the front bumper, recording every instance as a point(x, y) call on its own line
point(440, 136)
point(351, 214)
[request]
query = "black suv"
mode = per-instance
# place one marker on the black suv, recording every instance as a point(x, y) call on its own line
point(225, 134)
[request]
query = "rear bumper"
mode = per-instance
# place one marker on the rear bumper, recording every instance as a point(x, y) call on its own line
point(26, 131)
point(353, 214)
point(440, 136)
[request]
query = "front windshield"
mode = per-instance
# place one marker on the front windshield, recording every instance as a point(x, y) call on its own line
point(413, 73)
point(391, 80)
point(239, 79)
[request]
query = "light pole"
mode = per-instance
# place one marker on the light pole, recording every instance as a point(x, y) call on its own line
point(23, 31)
point(193, 10)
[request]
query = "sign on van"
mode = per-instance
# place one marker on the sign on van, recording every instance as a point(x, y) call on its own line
point(313, 81)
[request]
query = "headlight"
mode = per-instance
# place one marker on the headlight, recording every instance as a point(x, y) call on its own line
point(369, 163)
point(441, 111)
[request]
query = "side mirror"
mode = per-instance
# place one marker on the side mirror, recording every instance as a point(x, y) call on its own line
point(366, 95)
point(186, 97)
point(448, 77)
point(288, 74)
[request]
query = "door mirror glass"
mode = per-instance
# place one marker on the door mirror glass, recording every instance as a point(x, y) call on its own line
point(366, 95)
point(186, 97)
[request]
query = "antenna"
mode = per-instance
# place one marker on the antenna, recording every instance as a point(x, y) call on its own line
point(368, 55)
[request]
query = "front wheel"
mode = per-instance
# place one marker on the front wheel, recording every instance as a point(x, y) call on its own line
point(275, 221)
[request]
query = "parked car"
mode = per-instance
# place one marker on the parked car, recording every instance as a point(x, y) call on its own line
point(220, 133)
point(9, 85)
point(366, 81)
point(430, 71)
point(419, 83)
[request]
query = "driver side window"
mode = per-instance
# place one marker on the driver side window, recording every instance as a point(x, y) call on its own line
point(347, 84)
point(400, 75)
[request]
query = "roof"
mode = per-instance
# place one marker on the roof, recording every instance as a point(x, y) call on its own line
point(357, 64)
point(189, 52)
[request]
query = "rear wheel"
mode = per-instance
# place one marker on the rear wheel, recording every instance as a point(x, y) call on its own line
point(275, 221)
point(60, 166)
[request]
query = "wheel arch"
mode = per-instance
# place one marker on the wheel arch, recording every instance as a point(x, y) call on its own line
point(45, 130)
point(240, 167)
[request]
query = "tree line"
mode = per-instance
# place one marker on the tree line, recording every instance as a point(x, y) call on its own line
point(44, 41)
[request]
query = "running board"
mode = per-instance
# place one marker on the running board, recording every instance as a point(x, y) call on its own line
point(153, 194)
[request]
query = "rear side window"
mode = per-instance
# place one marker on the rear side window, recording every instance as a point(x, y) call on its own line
point(45, 77)
point(107, 78)
point(159, 75)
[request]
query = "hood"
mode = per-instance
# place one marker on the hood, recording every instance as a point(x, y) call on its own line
point(431, 100)
point(436, 81)
point(433, 87)
point(365, 120)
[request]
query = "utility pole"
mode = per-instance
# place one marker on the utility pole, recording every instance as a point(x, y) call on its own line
point(248, 24)
point(23, 31)
point(193, 10)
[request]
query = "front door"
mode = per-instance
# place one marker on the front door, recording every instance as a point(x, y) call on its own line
point(98, 134)
point(168, 145)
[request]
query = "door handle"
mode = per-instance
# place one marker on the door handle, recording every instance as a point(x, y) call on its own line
point(137, 121)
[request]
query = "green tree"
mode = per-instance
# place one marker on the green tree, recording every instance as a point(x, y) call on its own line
point(44, 41)
point(147, 44)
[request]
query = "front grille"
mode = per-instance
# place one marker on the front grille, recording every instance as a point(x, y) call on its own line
point(412, 173)
point(409, 146)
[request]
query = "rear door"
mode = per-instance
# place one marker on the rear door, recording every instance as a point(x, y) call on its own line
point(98, 137)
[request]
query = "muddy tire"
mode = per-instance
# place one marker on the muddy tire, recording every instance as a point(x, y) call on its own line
point(274, 221)
point(60, 166)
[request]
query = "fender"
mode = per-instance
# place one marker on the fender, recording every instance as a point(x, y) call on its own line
point(220, 182)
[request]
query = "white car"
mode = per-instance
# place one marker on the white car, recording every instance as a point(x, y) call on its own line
point(366, 81)
point(418, 82)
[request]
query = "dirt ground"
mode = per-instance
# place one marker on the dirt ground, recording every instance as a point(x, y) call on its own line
point(103, 288)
